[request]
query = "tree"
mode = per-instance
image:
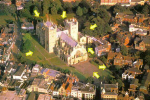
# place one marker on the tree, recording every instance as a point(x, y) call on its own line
point(53, 11)
point(120, 83)
point(102, 58)
point(79, 11)
point(124, 50)
point(90, 80)
point(25, 13)
point(145, 10)
point(84, 10)
point(46, 5)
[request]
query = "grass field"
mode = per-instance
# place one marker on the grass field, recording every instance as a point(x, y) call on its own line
point(4, 18)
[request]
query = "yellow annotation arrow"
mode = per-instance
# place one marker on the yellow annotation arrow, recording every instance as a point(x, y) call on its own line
point(63, 14)
point(95, 74)
point(92, 27)
point(29, 53)
point(102, 67)
point(91, 50)
point(36, 13)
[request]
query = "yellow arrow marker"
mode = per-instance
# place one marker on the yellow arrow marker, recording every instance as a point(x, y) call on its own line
point(102, 66)
point(36, 13)
point(96, 75)
point(91, 50)
point(63, 14)
point(29, 53)
point(92, 27)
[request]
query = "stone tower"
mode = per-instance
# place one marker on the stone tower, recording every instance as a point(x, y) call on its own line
point(50, 36)
point(72, 26)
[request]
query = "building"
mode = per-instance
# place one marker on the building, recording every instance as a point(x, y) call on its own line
point(136, 2)
point(131, 73)
point(109, 91)
point(12, 95)
point(49, 74)
point(142, 43)
point(20, 73)
point(45, 97)
point(83, 91)
point(64, 42)
point(101, 46)
point(122, 2)
point(39, 85)
point(113, 2)
point(119, 59)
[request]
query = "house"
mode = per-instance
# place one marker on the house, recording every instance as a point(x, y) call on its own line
point(12, 95)
point(136, 2)
point(109, 91)
point(145, 87)
point(131, 73)
point(45, 97)
point(141, 32)
point(129, 96)
point(39, 85)
point(36, 68)
point(49, 74)
point(20, 73)
point(133, 86)
point(27, 26)
point(62, 87)
point(113, 2)
point(125, 38)
point(10, 68)
point(142, 43)
point(130, 18)
point(119, 59)
point(102, 46)
point(64, 42)
point(81, 90)
point(138, 63)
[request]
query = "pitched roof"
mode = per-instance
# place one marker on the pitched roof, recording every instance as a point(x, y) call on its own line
point(106, 86)
point(68, 39)
point(19, 70)
point(135, 82)
point(134, 70)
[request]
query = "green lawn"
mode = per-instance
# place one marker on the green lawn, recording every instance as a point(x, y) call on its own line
point(103, 73)
point(4, 18)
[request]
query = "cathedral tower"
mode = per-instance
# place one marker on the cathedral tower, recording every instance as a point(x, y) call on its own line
point(72, 26)
point(50, 36)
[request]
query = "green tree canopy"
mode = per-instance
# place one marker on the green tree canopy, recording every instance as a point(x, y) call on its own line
point(79, 11)
point(53, 11)
point(124, 50)
point(46, 5)
point(145, 10)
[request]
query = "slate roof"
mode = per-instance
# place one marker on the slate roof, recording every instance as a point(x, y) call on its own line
point(136, 0)
point(19, 70)
point(134, 70)
point(51, 72)
point(40, 83)
point(110, 93)
point(68, 40)
point(106, 86)
point(135, 82)
point(146, 40)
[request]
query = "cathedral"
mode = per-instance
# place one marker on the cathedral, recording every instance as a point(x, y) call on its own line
point(66, 42)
